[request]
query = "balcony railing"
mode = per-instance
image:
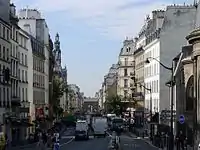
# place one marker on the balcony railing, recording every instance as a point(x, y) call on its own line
point(25, 104)
point(15, 101)
point(126, 63)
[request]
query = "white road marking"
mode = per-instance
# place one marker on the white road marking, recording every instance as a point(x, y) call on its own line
point(73, 137)
point(67, 142)
point(108, 134)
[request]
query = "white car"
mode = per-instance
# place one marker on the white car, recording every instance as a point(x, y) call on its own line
point(82, 129)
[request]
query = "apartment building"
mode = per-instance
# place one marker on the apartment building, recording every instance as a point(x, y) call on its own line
point(111, 81)
point(51, 76)
point(23, 72)
point(126, 69)
point(139, 75)
point(74, 97)
point(31, 21)
point(5, 90)
point(161, 31)
point(14, 41)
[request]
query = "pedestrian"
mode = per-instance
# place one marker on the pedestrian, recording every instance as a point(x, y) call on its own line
point(40, 144)
point(56, 141)
point(180, 141)
point(44, 139)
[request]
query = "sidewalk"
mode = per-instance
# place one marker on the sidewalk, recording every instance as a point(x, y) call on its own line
point(147, 140)
point(26, 146)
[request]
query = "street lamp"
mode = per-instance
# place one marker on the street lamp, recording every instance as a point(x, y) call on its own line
point(150, 90)
point(172, 83)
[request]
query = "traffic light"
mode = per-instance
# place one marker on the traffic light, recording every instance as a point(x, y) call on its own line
point(6, 75)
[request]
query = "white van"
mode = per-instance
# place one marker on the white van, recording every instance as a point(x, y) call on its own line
point(100, 127)
point(82, 129)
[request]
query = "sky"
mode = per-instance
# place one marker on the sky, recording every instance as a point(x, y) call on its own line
point(92, 31)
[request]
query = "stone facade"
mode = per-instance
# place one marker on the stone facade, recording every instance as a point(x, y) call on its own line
point(187, 82)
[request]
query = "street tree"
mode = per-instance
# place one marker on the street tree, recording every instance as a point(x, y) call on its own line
point(116, 105)
point(58, 91)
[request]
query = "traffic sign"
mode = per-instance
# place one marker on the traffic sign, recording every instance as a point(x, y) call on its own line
point(181, 119)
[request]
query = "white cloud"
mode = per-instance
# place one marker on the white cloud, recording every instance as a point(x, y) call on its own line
point(113, 18)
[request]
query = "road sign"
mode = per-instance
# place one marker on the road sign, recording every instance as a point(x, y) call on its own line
point(181, 119)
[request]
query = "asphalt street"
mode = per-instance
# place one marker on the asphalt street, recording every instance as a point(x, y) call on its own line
point(127, 143)
point(130, 143)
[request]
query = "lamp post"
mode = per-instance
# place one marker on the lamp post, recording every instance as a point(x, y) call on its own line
point(150, 90)
point(172, 82)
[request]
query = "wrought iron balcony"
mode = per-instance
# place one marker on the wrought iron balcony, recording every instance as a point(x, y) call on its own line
point(15, 101)
point(126, 63)
point(25, 104)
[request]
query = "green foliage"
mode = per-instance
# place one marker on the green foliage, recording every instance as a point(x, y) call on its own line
point(58, 91)
point(115, 104)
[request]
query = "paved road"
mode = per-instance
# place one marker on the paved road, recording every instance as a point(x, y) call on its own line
point(130, 143)
point(92, 143)
point(68, 135)
point(127, 143)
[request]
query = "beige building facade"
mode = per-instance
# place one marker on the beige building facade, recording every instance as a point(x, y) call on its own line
point(126, 69)
point(139, 76)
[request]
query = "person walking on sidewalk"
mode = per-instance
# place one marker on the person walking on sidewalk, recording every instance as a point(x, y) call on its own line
point(180, 141)
point(41, 145)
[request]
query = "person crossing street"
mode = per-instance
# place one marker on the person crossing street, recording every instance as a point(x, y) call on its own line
point(56, 141)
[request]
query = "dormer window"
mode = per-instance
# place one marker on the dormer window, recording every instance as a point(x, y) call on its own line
point(128, 49)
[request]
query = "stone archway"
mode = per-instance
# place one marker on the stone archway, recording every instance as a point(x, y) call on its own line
point(189, 105)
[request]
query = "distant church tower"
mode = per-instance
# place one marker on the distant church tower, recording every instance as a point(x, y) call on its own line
point(57, 54)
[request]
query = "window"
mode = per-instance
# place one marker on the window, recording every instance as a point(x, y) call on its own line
point(4, 32)
point(126, 61)
point(0, 51)
point(22, 94)
point(18, 55)
point(24, 43)
point(22, 59)
point(26, 94)
point(7, 34)
point(7, 54)
point(19, 92)
point(4, 94)
point(125, 83)
point(190, 94)
point(125, 72)
point(0, 95)
point(4, 52)
point(16, 35)
point(157, 85)
point(8, 95)
point(26, 60)
point(22, 75)
point(19, 74)
point(26, 78)
point(125, 93)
